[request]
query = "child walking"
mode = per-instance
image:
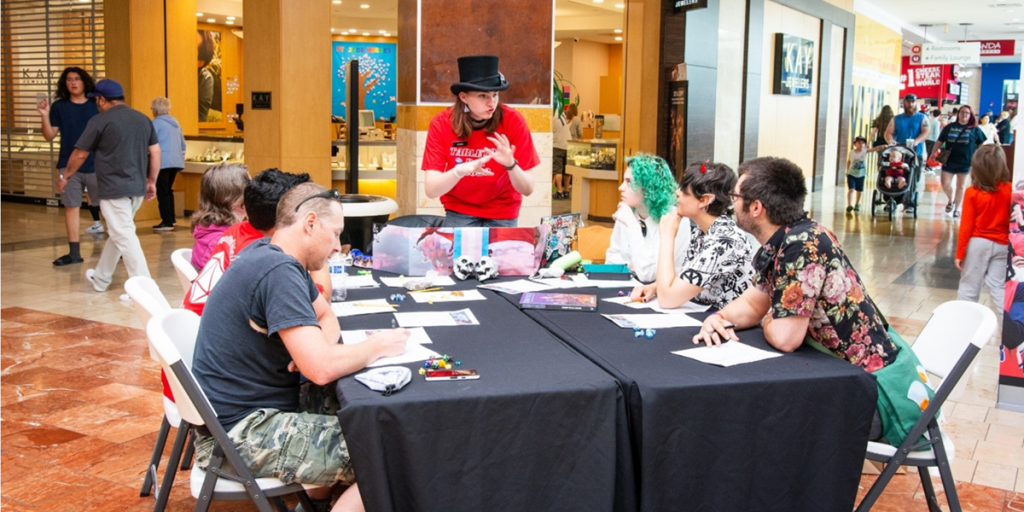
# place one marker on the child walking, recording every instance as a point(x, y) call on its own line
point(985, 226)
point(855, 171)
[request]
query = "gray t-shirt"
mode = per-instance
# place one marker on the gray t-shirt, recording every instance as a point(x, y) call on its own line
point(119, 139)
point(242, 369)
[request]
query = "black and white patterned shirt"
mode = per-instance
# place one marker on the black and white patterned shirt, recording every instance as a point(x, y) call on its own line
point(718, 261)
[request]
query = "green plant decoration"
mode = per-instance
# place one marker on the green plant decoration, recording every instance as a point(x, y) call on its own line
point(557, 101)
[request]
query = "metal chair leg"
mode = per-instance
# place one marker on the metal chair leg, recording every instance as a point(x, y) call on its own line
point(190, 450)
point(929, 489)
point(165, 487)
point(154, 460)
point(945, 471)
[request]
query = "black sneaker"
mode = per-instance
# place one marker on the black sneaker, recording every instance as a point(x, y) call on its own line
point(163, 227)
point(67, 259)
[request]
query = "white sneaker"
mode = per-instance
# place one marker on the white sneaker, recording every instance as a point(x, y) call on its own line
point(95, 229)
point(90, 274)
point(125, 297)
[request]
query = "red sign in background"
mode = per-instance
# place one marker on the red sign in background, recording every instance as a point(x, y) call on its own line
point(926, 81)
point(996, 47)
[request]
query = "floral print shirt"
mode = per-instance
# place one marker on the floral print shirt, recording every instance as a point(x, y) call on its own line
point(806, 273)
point(719, 262)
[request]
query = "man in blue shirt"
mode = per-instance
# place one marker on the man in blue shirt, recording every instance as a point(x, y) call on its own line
point(910, 124)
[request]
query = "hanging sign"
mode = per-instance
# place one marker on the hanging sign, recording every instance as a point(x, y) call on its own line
point(951, 53)
point(997, 48)
point(794, 65)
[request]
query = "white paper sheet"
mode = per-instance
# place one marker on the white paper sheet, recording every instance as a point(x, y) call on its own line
point(518, 286)
point(555, 282)
point(727, 354)
point(447, 296)
point(689, 307)
point(399, 282)
point(361, 307)
point(360, 281)
point(414, 349)
point(582, 281)
point(654, 321)
point(437, 318)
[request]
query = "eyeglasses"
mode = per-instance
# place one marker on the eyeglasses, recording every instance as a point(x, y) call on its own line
point(327, 194)
point(734, 196)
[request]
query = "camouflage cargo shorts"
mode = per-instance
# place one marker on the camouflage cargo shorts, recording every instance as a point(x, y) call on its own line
point(303, 447)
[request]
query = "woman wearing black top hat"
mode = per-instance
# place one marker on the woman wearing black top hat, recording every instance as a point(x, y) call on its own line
point(479, 153)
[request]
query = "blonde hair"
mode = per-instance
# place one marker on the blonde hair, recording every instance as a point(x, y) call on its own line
point(988, 168)
point(161, 106)
point(222, 187)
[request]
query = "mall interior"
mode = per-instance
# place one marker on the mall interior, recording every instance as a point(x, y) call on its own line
point(688, 80)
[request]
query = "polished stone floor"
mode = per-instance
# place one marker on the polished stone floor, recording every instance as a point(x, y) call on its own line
point(80, 398)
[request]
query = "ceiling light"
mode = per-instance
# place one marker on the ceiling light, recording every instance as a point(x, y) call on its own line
point(620, 6)
point(618, 38)
point(598, 1)
point(366, 33)
point(387, 34)
point(332, 30)
point(199, 14)
point(229, 23)
point(618, 31)
point(211, 20)
point(336, 2)
point(231, 18)
point(364, 6)
point(382, 31)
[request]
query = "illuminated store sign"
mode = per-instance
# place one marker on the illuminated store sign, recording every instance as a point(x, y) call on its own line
point(794, 65)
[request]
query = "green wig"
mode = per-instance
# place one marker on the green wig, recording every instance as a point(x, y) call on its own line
point(652, 175)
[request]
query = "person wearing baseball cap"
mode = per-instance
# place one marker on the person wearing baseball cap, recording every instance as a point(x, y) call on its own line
point(479, 153)
point(127, 162)
point(907, 125)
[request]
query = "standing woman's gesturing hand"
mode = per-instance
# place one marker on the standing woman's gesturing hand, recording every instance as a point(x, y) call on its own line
point(503, 152)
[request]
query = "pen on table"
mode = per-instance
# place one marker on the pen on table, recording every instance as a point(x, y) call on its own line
point(434, 289)
point(365, 305)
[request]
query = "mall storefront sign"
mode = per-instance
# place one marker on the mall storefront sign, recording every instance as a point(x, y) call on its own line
point(794, 65)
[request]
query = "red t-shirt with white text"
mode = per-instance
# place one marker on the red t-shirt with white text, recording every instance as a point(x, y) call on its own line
point(488, 197)
point(235, 238)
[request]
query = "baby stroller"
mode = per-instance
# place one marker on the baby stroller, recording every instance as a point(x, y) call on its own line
point(891, 197)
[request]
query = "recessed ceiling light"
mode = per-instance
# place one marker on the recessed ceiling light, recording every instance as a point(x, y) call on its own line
point(619, 6)
point(211, 20)
point(332, 29)
point(229, 22)
point(231, 18)
point(618, 38)
point(618, 31)
point(353, 30)
point(387, 34)
point(598, 1)
point(364, 6)
point(366, 33)
point(199, 14)
point(336, 2)
point(382, 31)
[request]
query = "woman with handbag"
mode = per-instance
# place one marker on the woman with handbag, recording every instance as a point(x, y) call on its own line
point(955, 148)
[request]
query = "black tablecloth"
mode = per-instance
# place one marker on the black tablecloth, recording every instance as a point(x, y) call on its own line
point(785, 434)
point(542, 429)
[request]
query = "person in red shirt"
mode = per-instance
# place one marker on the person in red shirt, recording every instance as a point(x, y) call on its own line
point(985, 226)
point(479, 153)
point(261, 197)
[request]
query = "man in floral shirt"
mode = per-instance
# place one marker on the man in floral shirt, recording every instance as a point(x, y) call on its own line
point(804, 284)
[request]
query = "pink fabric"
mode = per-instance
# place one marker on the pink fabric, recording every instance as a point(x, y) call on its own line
point(206, 237)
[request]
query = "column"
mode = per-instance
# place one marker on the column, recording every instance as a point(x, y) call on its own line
point(431, 38)
point(288, 54)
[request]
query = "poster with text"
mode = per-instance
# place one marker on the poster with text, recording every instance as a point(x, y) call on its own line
point(210, 103)
point(1011, 352)
point(377, 74)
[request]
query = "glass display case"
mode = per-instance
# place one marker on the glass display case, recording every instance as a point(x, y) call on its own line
point(600, 154)
point(378, 159)
point(205, 151)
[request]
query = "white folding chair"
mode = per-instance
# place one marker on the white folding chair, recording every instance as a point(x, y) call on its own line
point(149, 301)
point(182, 261)
point(171, 333)
point(946, 347)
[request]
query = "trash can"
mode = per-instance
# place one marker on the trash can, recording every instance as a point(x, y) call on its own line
point(362, 211)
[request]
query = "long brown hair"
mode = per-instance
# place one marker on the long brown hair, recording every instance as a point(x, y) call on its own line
point(220, 189)
point(988, 168)
point(462, 123)
point(882, 121)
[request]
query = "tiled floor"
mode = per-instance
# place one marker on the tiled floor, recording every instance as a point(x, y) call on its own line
point(80, 398)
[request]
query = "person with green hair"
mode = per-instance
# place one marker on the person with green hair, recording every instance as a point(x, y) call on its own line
point(648, 192)
point(716, 266)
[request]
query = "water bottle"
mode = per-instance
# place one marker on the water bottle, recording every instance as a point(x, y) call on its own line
point(336, 267)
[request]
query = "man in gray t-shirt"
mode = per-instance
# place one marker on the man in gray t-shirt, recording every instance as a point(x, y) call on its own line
point(127, 163)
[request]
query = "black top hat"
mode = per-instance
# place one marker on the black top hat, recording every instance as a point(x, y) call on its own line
point(479, 73)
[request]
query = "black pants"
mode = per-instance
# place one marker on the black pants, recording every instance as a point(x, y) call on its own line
point(164, 194)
